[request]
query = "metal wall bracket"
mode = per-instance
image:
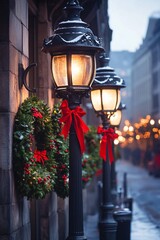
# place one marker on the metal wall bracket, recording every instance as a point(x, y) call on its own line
point(24, 77)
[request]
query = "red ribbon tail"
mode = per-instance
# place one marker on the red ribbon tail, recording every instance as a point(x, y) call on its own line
point(110, 152)
point(67, 120)
point(102, 151)
point(80, 128)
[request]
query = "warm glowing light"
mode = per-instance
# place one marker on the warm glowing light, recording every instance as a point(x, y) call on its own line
point(125, 128)
point(127, 122)
point(156, 135)
point(59, 70)
point(152, 122)
point(72, 70)
point(115, 119)
point(147, 135)
point(138, 137)
point(118, 132)
point(121, 139)
point(130, 140)
point(136, 125)
point(155, 129)
point(131, 128)
point(116, 141)
point(81, 70)
point(148, 117)
point(105, 99)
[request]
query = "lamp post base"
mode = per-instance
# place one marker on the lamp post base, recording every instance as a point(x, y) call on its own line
point(107, 224)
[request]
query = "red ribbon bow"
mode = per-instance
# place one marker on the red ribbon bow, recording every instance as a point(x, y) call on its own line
point(40, 156)
point(80, 126)
point(108, 135)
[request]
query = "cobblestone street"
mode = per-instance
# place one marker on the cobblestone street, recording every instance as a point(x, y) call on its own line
point(144, 224)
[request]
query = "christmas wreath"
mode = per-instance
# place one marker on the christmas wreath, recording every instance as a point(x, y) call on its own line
point(62, 156)
point(34, 149)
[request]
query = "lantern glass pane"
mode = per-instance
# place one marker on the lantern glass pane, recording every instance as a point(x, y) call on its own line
point(115, 119)
point(110, 99)
point(96, 100)
point(82, 69)
point(59, 70)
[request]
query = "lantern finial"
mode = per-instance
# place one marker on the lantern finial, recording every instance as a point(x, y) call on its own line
point(73, 10)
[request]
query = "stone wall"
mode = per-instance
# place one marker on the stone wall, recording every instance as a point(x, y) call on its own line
point(15, 217)
point(14, 211)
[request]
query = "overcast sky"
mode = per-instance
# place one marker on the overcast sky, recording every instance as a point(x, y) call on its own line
point(129, 20)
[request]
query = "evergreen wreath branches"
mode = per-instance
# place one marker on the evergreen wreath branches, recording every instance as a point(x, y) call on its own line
point(34, 149)
point(62, 156)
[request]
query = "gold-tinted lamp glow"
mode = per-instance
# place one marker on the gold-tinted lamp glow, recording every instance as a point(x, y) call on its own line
point(115, 119)
point(105, 99)
point(73, 70)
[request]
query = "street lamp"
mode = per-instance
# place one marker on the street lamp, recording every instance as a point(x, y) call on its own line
point(73, 48)
point(105, 97)
point(115, 121)
point(116, 118)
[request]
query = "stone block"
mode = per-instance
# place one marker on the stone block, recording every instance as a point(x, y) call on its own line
point(4, 219)
point(10, 218)
point(4, 57)
point(44, 230)
point(25, 41)
point(4, 91)
point(23, 233)
point(14, 93)
point(10, 94)
point(26, 211)
point(15, 216)
point(6, 123)
point(53, 226)
point(7, 187)
point(26, 232)
point(9, 228)
point(15, 32)
point(43, 206)
point(13, 60)
point(61, 219)
point(66, 207)
point(21, 11)
point(53, 203)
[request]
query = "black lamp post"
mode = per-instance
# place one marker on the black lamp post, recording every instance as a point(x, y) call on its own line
point(73, 47)
point(115, 121)
point(105, 97)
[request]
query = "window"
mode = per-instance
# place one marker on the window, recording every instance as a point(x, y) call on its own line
point(32, 18)
point(154, 58)
point(155, 80)
point(155, 103)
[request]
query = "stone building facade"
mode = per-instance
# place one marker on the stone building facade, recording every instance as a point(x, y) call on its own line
point(24, 25)
point(146, 73)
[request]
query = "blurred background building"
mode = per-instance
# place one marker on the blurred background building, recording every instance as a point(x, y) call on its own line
point(146, 73)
